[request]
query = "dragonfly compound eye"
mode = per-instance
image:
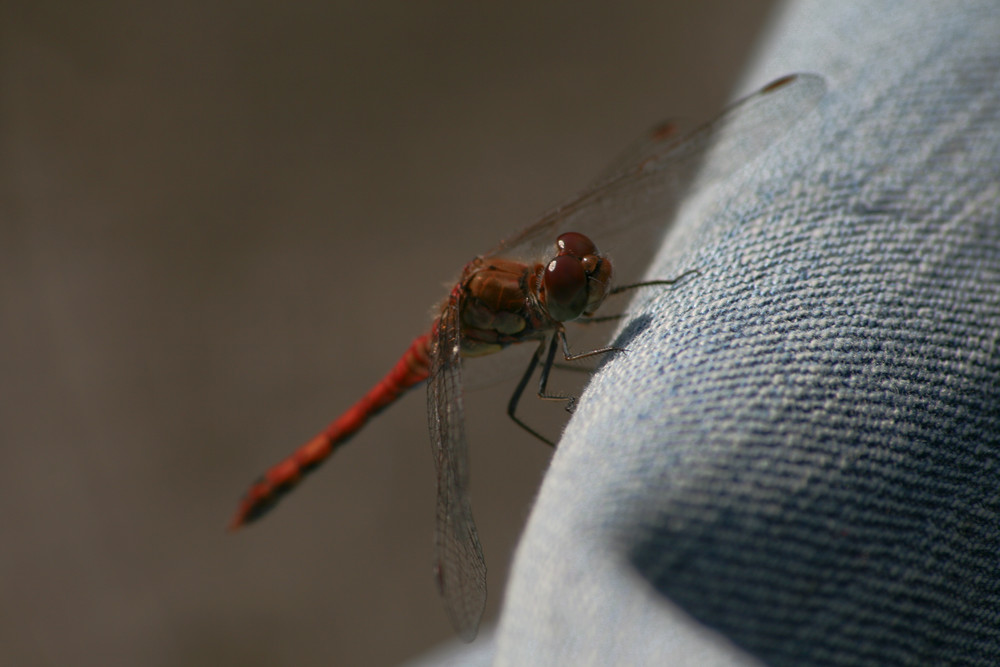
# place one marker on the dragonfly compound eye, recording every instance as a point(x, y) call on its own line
point(596, 266)
point(565, 283)
point(575, 244)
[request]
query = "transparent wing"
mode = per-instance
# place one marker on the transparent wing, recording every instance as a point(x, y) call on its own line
point(459, 565)
point(634, 198)
point(653, 143)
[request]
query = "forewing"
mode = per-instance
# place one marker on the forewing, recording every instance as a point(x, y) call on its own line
point(459, 566)
point(650, 145)
point(637, 195)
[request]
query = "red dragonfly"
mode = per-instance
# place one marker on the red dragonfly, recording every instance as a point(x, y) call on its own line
point(524, 290)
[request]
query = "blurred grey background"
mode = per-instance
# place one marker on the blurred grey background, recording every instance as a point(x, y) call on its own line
point(220, 223)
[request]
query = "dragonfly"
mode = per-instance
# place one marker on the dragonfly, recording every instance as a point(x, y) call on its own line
point(525, 290)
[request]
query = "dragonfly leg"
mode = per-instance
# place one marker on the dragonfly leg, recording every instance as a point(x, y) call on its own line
point(519, 391)
point(650, 283)
point(558, 340)
point(625, 288)
point(543, 380)
point(598, 320)
point(569, 356)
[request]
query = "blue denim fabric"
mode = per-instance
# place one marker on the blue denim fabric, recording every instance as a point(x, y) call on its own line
point(796, 462)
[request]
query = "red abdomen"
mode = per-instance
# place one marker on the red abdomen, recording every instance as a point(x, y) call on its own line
point(412, 369)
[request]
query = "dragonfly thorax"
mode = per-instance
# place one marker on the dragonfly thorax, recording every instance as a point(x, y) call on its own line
point(495, 306)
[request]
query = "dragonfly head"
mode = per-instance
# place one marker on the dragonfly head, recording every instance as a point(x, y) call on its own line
point(576, 280)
